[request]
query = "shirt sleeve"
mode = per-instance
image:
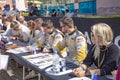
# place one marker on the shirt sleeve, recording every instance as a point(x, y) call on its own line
point(58, 38)
point(60, 46)
point(81, 46)
point(89, 59)
point(110, 61)
point(25, 36)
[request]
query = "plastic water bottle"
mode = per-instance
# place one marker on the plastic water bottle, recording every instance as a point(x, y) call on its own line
point(62, 65)
point(33, 50)
point(56, 65)
point(95, 76)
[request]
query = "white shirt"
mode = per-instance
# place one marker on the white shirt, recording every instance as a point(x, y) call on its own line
point(7, 13)
point(32, 38)
point(69, 14)
point(16, 11)
point(24, 32)
point(8, 31)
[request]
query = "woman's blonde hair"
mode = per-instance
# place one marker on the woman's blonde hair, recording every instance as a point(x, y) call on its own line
point(105, 32)
point(31, 24)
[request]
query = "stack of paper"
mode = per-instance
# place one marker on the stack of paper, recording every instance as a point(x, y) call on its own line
point(18, 50)
point(41, 60)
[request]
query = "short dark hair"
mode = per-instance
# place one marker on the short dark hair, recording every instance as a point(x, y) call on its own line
point(48, 24)
point(62, 19)
point(68, 21)
point(13, 23)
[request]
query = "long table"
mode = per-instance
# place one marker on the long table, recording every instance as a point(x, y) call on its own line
point(19, 59)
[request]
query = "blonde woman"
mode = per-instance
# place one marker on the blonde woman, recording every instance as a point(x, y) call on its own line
point(103, 53)
point(34, 34)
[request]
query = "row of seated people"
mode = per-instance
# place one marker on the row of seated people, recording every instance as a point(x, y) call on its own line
point(70, 43)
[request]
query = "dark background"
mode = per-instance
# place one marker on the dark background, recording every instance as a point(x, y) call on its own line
point(84, 24)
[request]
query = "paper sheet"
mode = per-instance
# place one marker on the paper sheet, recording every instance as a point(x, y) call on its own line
point(3, 62)
point(42, 60)
point(18, 50)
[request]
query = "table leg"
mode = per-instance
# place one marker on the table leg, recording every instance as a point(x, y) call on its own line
point(39, 76)
point(23, 73)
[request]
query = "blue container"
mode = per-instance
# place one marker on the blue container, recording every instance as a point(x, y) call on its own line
point(33, 51)
point(62, 65)
point(95, 76)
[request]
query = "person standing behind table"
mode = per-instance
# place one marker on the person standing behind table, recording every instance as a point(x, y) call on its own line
point(15, 10)
point(19, 32)
point(30, 5)
point(103, 53)
point(34, 10)
point(68, 13)
point(74, 41)
point(54, 13)
point(7, 10)
point(54, 36)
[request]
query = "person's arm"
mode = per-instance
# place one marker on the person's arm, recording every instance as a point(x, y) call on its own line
point(1, 31)
point(81, 47)
point(89, 59)
point(8, 32)
point(60, 46)
point(58, 38)
point(41, 41)
point(24, 37)
point(110, 61)
point(81, 71)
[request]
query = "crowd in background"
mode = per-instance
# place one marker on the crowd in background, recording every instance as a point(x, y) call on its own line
point(34, 11)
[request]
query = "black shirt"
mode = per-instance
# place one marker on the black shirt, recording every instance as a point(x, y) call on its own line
point(107, 58)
